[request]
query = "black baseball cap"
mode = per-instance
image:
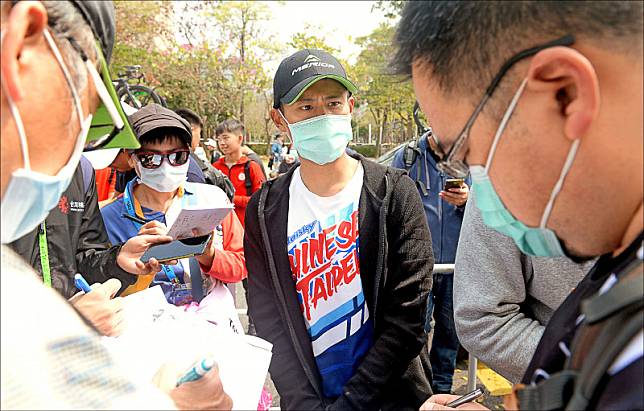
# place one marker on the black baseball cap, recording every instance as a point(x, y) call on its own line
point(155, 117)
point(101, 17)
point(302, 69)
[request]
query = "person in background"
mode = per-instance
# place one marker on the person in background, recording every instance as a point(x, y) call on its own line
point(51, 357)
point(276, 151)
point(444, 208)
point(161, 190)
point(211, 174)
point(246, 175)
point(339, 257)
point(289, 162)
point(248, 152)
point(549, 85)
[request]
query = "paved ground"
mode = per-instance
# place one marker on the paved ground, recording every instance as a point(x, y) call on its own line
point(460, 376)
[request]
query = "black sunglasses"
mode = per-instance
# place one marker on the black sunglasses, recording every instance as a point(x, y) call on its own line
point(153, 160)
point(453, 162)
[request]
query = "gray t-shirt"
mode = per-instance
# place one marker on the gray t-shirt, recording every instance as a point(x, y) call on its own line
point(502, 298)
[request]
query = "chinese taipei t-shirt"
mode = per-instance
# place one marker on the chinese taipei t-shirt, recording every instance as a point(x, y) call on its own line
point(323, 241)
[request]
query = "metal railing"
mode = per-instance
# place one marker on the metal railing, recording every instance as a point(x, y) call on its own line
point(472, 361)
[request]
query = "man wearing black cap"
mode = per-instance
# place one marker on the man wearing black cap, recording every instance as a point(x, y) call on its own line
point(339, 283)
point(51, 357)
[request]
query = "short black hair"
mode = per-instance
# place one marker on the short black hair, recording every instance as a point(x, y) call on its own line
point(230, 126)
point(464, 43)
point(190, 116)
point(161, 135)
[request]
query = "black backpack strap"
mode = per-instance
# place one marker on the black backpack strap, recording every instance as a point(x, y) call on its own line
point(613, 319)
point(621, 326)
point(551, 394)
point(410, 154)
point(248, 182)
point(624, 293)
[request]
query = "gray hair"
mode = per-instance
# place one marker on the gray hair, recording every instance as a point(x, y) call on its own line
point(67, 23)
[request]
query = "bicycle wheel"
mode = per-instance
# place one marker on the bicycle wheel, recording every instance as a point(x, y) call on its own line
point(139, 96)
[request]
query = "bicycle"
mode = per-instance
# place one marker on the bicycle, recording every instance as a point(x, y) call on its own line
point(136, 95)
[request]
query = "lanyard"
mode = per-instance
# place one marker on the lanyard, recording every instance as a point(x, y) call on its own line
point(44, 254)
point(134, 209)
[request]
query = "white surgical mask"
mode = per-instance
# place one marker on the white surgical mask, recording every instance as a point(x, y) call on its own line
point(30, 195)
point(165, 178)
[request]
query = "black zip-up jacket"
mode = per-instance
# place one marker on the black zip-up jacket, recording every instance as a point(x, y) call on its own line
point(76, 239)
point(396, 264)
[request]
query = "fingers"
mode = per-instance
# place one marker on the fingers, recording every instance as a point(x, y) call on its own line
point(149, 240)
point(153, 228)
point(109, 288)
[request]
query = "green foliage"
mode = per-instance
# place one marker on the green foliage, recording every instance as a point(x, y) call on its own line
point(391, 8)
point(307, 39)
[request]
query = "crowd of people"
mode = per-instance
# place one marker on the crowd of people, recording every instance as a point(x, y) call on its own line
point(528, 183)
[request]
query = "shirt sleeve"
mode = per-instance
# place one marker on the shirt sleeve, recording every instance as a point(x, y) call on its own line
point(257, 178)
point(489, 292)
point(229, 264)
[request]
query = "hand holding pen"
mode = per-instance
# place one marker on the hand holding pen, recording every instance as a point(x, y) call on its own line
point(97, 304)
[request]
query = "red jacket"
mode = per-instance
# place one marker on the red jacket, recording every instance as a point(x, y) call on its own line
point(238, 178)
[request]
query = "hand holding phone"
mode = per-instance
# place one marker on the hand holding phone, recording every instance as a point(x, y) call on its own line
point(177, 249)
point(453, 183)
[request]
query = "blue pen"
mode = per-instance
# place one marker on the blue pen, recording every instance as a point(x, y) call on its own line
point(81, 284)
point(197, 371)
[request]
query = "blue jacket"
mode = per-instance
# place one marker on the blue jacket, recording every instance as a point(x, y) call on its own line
point(443, 218)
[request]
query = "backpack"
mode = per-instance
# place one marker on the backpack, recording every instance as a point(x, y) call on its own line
point(248, 183)
point(611, 321)
point(216, 177)
point(410, 154)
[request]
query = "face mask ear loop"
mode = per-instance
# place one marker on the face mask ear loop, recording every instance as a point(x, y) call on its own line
point(504, 123)
point(68, 77)
point(19, 125)
point(555, 191)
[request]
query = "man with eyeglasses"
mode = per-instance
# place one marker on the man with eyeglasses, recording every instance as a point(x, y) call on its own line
point(542, 103)
point(157, 195)
point(52, 53)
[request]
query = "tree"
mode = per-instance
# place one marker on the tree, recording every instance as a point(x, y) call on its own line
point(305, 40)
point(391, 8)
point(389, 100)
point(239, 23)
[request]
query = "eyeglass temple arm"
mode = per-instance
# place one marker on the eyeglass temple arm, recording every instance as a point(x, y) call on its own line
point(566, 40)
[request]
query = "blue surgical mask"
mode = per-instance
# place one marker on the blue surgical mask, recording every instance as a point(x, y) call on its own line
point(321, 139)
point(30, 195)
point(540, 241)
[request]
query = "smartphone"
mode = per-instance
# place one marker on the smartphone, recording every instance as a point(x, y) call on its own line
point(177, 249)
point(453, 183)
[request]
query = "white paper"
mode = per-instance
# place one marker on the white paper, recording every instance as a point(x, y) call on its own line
point(203, 219)
point(159, 333)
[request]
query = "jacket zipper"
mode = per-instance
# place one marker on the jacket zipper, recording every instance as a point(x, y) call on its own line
point(280, 294)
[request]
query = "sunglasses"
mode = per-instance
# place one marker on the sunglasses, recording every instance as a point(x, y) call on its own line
point(153, 160)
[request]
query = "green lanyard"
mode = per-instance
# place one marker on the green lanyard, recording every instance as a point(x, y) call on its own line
point(44, 254)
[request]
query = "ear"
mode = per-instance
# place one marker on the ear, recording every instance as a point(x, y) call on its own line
point(23, 30)
point(352, 103)
point(572, 81)
point(278, 121)
point(131, 161)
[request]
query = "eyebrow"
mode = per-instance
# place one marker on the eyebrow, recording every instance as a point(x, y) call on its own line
point(314, 99)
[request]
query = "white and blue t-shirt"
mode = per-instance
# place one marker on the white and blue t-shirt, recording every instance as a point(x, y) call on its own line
point(323, 243)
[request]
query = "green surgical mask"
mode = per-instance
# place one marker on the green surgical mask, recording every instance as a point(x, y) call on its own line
point(540, 241)
point(321, 139)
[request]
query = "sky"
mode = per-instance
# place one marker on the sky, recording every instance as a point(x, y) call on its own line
point(340, 22)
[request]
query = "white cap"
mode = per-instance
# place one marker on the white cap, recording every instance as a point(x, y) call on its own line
point(101, 159)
